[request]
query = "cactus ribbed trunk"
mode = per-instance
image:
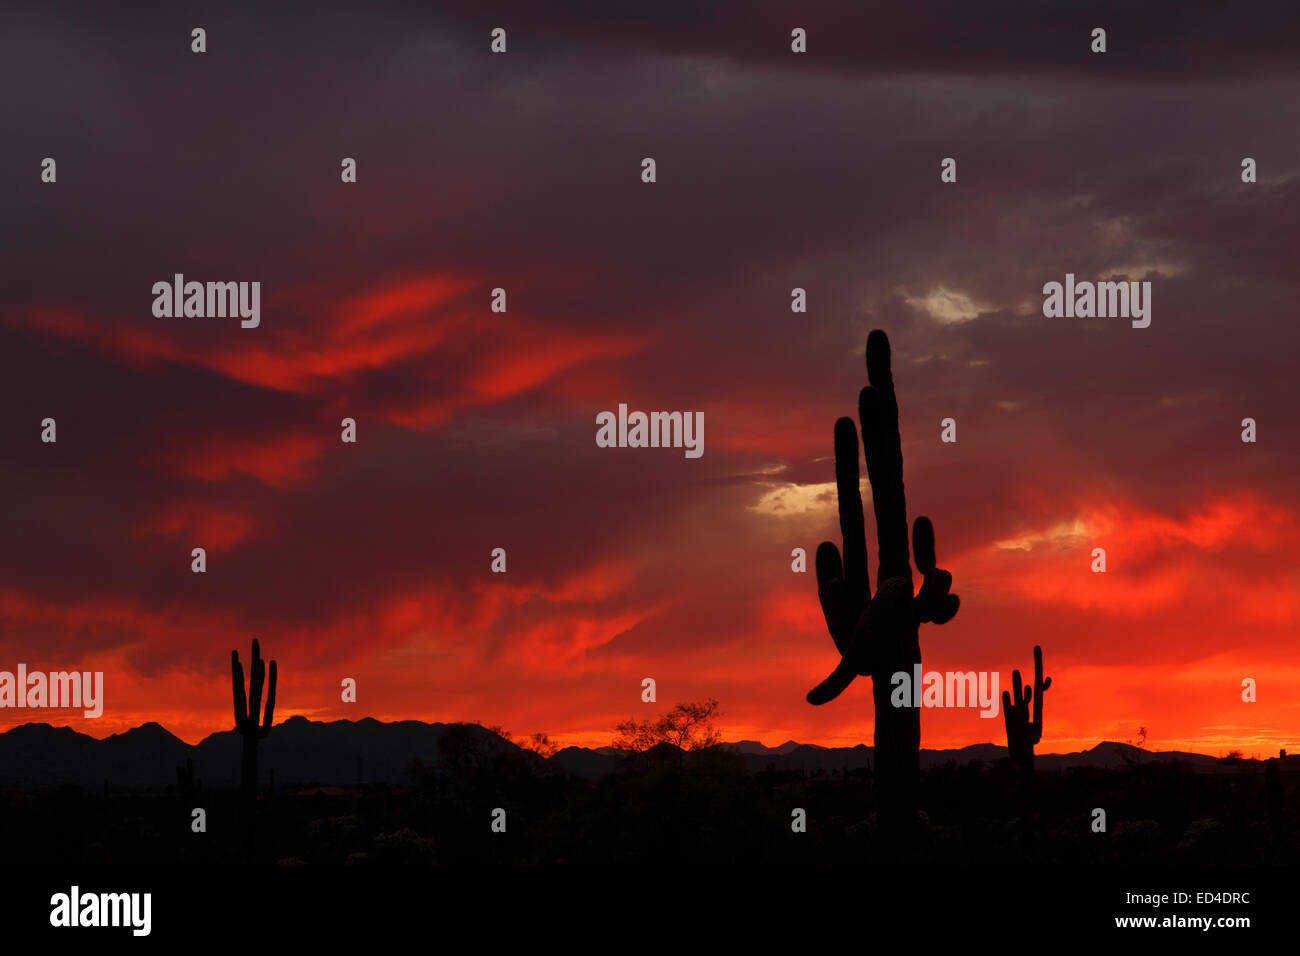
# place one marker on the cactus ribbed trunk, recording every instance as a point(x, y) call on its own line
point(898, 745)
point(248, 770)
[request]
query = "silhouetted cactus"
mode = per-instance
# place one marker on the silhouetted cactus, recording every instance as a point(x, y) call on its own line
point(879, 635)
point(186, 783)
point(1022, 732)
point(246, 712)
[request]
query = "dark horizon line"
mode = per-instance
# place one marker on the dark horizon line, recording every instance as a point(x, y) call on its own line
point(734, 743)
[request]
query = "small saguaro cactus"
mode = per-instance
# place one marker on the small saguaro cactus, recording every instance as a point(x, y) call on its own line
point(186, 783)
point(246, 711)
point(1022, 732)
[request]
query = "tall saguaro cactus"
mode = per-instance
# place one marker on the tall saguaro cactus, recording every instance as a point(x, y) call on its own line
point(246, 712)
point(879, 636)
point(1022, 732)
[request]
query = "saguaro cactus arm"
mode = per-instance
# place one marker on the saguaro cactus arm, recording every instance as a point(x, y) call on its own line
point(1040, 689)
point(270, 703)
point(241, 701)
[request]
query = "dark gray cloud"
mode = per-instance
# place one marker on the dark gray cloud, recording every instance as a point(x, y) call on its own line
point(523, 171)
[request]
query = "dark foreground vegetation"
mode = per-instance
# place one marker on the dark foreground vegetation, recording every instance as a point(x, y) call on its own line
point(672, 807)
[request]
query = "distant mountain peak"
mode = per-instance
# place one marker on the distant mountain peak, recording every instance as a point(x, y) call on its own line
point(34, 729)
point(758, 747)
point(149, 729)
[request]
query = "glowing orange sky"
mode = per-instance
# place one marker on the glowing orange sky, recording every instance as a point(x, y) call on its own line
point(476, 428)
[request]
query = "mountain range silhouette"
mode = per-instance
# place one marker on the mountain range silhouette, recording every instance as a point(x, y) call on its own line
point(368, 751)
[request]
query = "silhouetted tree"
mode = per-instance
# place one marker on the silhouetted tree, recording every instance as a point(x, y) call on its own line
point(472, 751)
point(540, 744)
point(687, 727)
point(879, 636)
point(537, 743)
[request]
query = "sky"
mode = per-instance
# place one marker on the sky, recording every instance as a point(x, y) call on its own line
point(476, 429)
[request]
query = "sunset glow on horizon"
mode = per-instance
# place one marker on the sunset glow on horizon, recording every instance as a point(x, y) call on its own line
point(476, 428)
